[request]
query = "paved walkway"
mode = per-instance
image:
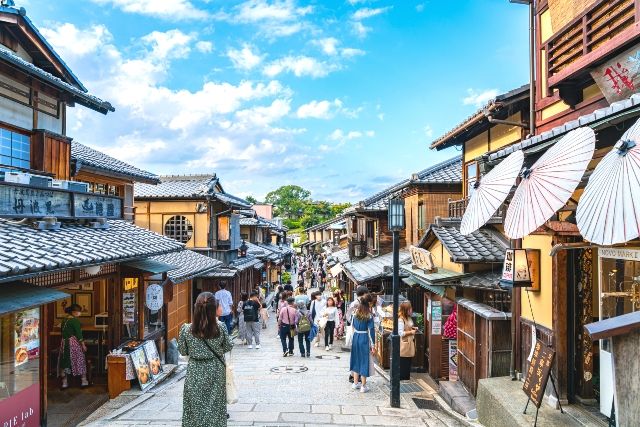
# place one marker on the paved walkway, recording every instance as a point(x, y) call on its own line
point(291, 391)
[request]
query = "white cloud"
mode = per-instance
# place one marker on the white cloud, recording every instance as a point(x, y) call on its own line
point(245, 58)
point(420, 7)
point(341, 138)
point(359, 29)
point(87, 40)
point(479, 98)
point(366, 12)
point(328, 45)
point(349, 52)
point(280, 18)
point(380, 116)
point(299, 66)
point(318, 109)
point(428, 131)
point(204, 46)
point(170, 10)
point(264, 116)
point(171, 44)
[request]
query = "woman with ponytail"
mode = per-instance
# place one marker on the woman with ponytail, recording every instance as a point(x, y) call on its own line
point(205, 341)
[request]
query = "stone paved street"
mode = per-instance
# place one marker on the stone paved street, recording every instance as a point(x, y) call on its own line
point(320, 395)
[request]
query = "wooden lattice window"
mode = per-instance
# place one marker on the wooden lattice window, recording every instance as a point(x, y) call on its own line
point(179, 228)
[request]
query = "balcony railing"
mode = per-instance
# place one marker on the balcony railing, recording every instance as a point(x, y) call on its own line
point(457, 209)
point(569, 49)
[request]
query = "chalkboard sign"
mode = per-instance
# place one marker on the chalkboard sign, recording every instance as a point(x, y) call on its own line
point(538, 374)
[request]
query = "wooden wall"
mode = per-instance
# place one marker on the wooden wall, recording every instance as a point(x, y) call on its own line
point(51, 153)
point(179, 309)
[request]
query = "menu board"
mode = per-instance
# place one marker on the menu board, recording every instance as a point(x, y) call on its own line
point(27, 336)
point(538, 373)
point(436, 317)
point(141, 365)
point(129, 307)
point(153, 357)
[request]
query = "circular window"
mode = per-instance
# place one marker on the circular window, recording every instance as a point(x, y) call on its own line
point(179, 228)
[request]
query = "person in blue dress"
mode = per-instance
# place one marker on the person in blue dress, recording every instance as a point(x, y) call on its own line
point(361, 346)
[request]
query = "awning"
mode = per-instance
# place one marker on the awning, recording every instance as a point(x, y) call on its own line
point(18, 296)
point(150, 265)
point(188, 264)
point(438, 290)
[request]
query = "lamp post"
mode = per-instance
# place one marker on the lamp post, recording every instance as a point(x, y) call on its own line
point(395, 224)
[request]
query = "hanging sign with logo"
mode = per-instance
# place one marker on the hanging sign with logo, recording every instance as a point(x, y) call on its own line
point(422, 259)
point(619, 78)
point(154, 299)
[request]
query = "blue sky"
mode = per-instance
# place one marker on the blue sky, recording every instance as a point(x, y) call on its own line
point(341, 97)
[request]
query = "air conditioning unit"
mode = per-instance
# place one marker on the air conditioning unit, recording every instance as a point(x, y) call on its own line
point(40, 181)
point(79, 187)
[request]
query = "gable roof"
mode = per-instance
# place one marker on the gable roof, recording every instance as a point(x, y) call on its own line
point(478, 122)
point(366, 269)
point(189, 264)
point(482, 246)
point(87, 158)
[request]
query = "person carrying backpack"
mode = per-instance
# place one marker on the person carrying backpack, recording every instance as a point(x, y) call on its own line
point(251, 311)
point(304, 329)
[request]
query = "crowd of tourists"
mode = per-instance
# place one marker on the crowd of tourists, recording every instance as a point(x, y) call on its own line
point(317, 316)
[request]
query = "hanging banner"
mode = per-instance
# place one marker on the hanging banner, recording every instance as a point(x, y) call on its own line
point(436, 317)
point(453, 360)
point(27, 338)
point(422, 259)
point(619, 77)
point(155, 297)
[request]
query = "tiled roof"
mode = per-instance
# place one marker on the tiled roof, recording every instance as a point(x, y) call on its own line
point(341, 255)
point(488, 280)
point(483, 310)
point(449, 171)
point(221, 272)
point(78, 95)
point(364, 270)
point(190, 264)
point(606, 116)
point(232, 200)
point(484, 245)
point(94, 160)
point(325, 224)
point(25, 251)
point(182, 187)
point(242, 264)
point(479, 115)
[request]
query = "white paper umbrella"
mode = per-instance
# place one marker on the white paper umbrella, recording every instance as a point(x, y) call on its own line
point(609, 209)
point(490, 192)
point(549, 183)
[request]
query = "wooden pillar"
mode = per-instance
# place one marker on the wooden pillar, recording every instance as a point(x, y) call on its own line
point(560, 304)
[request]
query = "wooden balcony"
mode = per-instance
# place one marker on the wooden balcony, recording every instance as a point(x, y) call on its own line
point(590, 37)
point(458, 207)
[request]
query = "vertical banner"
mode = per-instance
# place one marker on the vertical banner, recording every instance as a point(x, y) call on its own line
point(436, 317)
point(453, 360)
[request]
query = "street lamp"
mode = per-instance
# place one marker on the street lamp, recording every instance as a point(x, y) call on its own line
point(395, 224)
point(243, 249)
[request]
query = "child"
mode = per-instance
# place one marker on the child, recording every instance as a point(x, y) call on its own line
point(264, 315)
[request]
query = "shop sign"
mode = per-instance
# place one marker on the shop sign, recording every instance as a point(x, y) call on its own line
point(436, 317)
point(22, 409)
point(129, 307)
point(620, 253)
point(453, 360)
point(33, 202)
point(130, 283)
point(538, 373)
point(422, 259)
point(154, 297)
point(619, 78)
point(27, 339)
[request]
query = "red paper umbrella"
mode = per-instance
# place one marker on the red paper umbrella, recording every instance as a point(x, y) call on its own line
point(549, 183)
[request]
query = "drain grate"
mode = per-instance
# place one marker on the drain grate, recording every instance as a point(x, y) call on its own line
point(289, 369)
point(328, 356)
point(426, 404)
point(409, 387)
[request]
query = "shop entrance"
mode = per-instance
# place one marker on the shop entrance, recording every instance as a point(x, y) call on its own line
point(71, 405)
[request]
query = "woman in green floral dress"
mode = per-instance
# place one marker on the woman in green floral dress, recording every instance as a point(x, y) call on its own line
point(205, 341)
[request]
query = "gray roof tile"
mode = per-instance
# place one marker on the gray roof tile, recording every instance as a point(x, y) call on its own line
point(89, 158)
point(484, 245)
point(75, 245)
point(364, 270)
point(189, 264)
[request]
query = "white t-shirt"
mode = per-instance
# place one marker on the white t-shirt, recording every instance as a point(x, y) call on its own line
point(331, 313)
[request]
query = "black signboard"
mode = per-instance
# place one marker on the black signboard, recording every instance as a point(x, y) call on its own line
point(538, 373)
point(23, 201)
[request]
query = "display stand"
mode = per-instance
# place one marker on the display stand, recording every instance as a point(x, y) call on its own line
point(553, 384)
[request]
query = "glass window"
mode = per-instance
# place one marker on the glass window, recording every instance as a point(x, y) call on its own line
point(223, 228)
point(421, 216)
point(179, 228)
point(19, 354)
point(471, 176)
point(15, 149)
point(153, 319)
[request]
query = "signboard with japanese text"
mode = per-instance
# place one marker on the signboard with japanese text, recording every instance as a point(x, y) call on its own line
point(537, 375)
point(28, 202)
point(619, 78)
point(436, 317)
point(507, 268)
point(453, 360)
point(421, 258)
point(21, 201)
point(533, 259)
point(154, 298)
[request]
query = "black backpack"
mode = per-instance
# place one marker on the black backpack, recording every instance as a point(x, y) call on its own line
point(250, 312)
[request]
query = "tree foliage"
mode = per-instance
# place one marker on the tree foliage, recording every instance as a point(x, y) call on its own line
point(251, 200)
point(295, 205)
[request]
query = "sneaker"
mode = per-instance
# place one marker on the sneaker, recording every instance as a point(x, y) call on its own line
point(84, 383)
point(326, 348)
point(291, 353)
point(364, 389)
point(355, 386)
point(250, 346)
point(285, 354)
point(257, 346)
point(317, 344)
point(330, 346)
point(308, 354)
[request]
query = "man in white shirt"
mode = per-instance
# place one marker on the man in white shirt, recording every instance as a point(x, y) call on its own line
point(225, 300)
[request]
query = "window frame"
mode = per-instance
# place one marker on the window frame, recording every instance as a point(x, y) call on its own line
point(10, 156)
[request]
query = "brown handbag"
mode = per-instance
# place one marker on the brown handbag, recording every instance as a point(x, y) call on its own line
point(408, 344)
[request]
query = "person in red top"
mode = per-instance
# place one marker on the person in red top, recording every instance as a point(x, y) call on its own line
point(287, 321)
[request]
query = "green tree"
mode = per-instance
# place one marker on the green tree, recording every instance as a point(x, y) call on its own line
point(251, 200)
point(289, 201)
